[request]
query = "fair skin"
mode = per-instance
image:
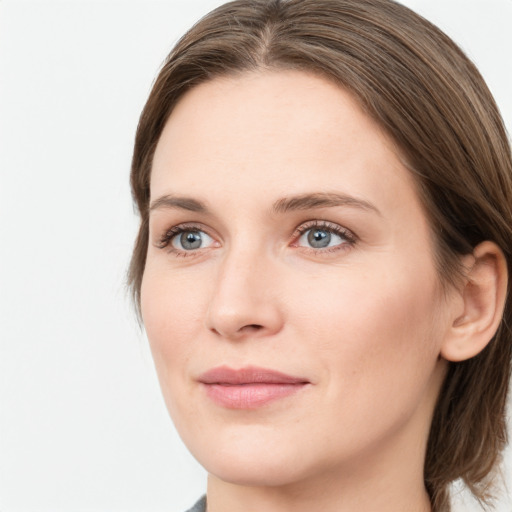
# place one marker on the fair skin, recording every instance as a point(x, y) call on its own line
point(286, 234)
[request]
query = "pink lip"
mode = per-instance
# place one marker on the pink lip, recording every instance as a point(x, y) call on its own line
point(250, 387)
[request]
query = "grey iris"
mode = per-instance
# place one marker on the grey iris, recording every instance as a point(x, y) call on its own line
point(319, 238)
point(190, 240)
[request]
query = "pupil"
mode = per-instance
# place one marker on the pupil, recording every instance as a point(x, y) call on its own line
point(318, 238)
point(191, 240)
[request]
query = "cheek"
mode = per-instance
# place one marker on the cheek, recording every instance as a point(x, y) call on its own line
point(173, 309)
point(375, 342)
point(173, 316)
point(374, 333)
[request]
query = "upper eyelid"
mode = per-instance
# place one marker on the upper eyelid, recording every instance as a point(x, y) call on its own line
point(319, 223)
point(308, 224)
point(324, 224)
point(186, 226)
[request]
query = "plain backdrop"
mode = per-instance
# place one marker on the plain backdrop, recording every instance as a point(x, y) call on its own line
point(82, 423)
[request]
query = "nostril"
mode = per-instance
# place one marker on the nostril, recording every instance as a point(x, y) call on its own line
point(253, 327)
point(246, 329)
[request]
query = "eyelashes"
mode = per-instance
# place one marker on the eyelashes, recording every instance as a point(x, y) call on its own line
point(316, 237)
point(191, 237)
point(322, 236)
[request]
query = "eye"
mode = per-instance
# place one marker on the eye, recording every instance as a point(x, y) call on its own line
point(190, 240)
point(319, 238)
point(185, 240)
point(324, 235)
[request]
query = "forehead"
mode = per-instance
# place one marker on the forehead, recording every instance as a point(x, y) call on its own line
point(274, 132)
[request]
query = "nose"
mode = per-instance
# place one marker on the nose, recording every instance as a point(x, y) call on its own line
point(245, 295)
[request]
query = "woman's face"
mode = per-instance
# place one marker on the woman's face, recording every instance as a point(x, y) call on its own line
point(290, 296)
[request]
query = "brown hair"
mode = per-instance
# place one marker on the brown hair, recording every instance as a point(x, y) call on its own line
point(421, 88)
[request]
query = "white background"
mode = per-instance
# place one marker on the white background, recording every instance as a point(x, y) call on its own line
point(82, 423)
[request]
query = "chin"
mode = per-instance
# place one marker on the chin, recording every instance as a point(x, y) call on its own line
point(255, 473)
point(253, 459)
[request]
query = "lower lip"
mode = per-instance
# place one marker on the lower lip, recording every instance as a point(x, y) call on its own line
point(250, 396)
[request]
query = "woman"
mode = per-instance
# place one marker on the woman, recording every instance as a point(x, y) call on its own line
point(325, 191)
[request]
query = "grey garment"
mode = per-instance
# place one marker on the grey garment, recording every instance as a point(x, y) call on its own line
point(200, 506)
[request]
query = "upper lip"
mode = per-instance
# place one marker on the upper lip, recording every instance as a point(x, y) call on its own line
point(248, 375)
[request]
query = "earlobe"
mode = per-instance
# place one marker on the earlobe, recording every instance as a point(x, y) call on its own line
point(483, 297)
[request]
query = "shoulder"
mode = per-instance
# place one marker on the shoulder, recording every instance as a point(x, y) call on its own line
point(200, 506)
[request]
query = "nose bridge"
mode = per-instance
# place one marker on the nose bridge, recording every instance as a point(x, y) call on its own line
point(243, 299)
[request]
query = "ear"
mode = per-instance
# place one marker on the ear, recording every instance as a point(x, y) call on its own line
point(480, 304)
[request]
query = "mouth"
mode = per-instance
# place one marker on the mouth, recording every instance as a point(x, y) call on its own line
point(250, 387)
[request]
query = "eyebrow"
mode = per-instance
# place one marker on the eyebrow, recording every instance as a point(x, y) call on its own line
point(321, 200)
point(283, 205)
point(178, 203)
